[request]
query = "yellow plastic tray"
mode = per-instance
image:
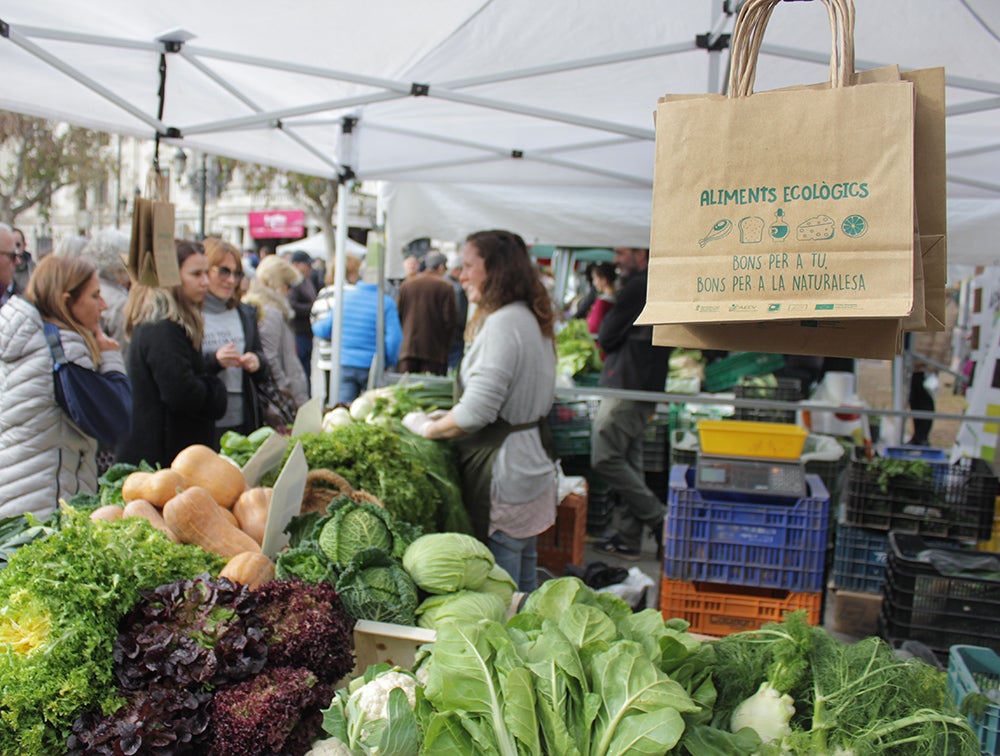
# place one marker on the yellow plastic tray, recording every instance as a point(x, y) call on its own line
point(744, 438)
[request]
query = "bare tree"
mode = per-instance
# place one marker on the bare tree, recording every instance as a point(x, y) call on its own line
point(39, 157)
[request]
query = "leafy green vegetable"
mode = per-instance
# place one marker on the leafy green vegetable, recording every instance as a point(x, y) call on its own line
point(461, 606)
point(448, 562)
point(61, 599)
point(371, 458)
point(576, 351)
point(888, 469)
point(109, 485)
point(567, 680)
point(858, 697)
point(18, 530)
point(307, 563)
point(357, 525)
point(374, 586)
point(500, 582)
point(240, 448)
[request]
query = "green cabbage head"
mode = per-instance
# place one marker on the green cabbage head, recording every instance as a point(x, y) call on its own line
point(357, 525)
point(448, 562)
point(463, 606)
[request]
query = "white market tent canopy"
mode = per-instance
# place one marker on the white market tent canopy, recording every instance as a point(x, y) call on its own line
point(316, 246)
point(532, 115)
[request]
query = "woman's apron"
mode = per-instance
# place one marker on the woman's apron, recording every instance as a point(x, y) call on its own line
point(476, 453)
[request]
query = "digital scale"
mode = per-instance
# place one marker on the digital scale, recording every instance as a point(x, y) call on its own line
point(751, 475)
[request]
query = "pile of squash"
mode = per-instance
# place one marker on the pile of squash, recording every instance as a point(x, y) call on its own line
point(203, 499)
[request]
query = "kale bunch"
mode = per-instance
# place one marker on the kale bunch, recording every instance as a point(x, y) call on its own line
point(305, 625)
point(278, 711)
point(158, 722)
point(200, 633)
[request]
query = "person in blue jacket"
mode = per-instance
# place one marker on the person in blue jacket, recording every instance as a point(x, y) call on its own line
point(358, 335)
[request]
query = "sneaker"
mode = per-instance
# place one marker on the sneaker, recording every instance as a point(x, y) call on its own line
point(615, 547)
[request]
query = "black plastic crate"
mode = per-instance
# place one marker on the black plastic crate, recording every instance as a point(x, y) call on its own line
point(786, 390)
point(954, 501)
point(859, 559)
point(941, 595)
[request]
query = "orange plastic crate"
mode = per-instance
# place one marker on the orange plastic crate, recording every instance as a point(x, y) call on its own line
point(714, 609)
point(563, 543)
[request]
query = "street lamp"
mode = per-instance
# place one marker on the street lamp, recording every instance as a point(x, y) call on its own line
point(180, 163)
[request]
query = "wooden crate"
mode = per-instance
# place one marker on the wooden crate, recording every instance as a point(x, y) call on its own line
point(563, 543)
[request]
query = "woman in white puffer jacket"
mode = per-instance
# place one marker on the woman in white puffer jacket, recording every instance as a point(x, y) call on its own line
point(44, 455)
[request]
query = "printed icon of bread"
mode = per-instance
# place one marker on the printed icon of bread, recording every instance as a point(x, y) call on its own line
point(751, 229)
point(817, 228)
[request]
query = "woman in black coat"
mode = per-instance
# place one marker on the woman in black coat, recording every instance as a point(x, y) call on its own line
point(175, 398)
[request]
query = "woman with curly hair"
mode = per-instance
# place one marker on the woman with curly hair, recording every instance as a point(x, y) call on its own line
point(176, 399)
point(507, 384)
point(269, 294)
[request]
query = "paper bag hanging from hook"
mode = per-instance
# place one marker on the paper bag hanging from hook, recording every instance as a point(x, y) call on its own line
point(783, 205)
point(152, 258)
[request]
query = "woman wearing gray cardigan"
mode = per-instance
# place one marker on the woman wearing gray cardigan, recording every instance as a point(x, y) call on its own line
point(507, 383)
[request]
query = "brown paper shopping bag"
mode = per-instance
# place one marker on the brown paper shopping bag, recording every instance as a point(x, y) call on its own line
point(864, 338)
point(784, 205)
point(152, 258)
point(930, 191)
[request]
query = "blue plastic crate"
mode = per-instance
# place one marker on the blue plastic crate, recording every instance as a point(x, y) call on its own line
point(859, 558)
point(925, 453)
point(767, 545)
point(974, 669)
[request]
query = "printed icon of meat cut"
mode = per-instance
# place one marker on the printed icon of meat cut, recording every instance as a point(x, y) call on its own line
point(751, 229)
point(817, 228)
point(720, 230)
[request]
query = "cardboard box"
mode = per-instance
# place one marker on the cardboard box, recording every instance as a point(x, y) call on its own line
point(855, 613)
point(564, 542)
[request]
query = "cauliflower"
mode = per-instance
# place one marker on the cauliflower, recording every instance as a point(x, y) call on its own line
point(329, 747)
point(361, 714)
point(372, 698)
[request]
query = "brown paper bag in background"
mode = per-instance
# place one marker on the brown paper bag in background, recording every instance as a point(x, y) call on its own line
point(152, 258)
point(930, 188)
point(875, 339)
point(783, 205)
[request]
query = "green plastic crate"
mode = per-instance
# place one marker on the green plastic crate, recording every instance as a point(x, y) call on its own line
point(725, 373)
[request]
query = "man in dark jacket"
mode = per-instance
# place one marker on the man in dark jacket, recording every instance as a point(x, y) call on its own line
point(632, 363)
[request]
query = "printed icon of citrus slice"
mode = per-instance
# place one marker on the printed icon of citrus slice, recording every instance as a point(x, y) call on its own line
point(854, 225)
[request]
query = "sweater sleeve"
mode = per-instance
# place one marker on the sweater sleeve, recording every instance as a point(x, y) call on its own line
point(487, 378)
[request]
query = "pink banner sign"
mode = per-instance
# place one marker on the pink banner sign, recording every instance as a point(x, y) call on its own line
point(278, 224)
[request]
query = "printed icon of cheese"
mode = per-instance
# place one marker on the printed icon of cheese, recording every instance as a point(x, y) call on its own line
point(817, 228)
point(751, 229)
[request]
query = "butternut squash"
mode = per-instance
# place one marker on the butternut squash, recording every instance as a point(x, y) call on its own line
point(108, 513)
point(200, 466)
point(251, 511)
point(230, 517)
point(251, 568)
point(142, 508)
point(157, 488)
point(195, 517)
point(135, 485)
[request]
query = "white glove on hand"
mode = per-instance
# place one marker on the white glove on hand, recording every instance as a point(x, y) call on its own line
point(417, 423)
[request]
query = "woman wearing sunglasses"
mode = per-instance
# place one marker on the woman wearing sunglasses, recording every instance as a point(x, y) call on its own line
point(231, 344)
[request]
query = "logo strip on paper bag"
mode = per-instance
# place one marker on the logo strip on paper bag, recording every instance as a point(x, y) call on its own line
point(792, 204)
